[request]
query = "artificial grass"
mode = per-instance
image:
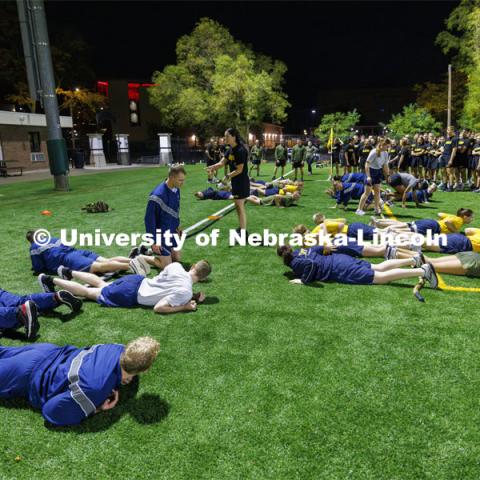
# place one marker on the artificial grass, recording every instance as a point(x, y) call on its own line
point(267, 380)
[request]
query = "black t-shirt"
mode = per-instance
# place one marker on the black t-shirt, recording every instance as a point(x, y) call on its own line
point(349, 150)
point(336, 148)
point(449, 145)
point(236, 156)
point(364, 150)
point(463, 146)
point(393, 151)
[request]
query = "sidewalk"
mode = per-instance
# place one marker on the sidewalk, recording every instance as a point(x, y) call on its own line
point(44, 173)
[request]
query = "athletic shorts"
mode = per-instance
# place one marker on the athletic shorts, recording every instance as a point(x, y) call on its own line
point(122, 292)
point(474, 162)
point(351, 271)
point(433, 163)
point(376, 174)
point(416, 162)
point(460, 161)
point(280, 163)
point(297, 164)
point(353, 249)
point(335, 160)
point(355, 227)
point(256, 162)
point(421, 226)
point(240, 187)
point(456, 242)
point(470, 262)
point(80, 260)
point(395, 180)
point(443, 161)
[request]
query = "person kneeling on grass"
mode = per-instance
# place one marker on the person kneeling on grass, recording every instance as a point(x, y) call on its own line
point(309, 265)
point(69, 384)
point(48, 257)
point(169, 292)
point(18, 311)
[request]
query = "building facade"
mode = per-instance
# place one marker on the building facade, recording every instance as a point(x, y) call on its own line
point(23, 139)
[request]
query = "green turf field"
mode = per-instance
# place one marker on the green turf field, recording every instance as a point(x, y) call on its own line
point(267, 380)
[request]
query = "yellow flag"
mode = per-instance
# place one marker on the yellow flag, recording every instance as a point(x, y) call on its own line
point(330, 139)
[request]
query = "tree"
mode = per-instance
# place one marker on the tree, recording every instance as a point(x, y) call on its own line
point(411, 120)
point(434, 96)
point(343, 124)
point(462, 38)
point(82, 106)
point(70, 57)
point(216, 82)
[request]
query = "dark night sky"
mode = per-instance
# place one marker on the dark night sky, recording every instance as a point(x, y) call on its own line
point(326, 45)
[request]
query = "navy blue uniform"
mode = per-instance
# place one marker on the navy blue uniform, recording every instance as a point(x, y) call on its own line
point(448, 146)
point(163, 213)
point(422, 226)
point(47, 258)
point(350, 191)
point(212, 194)
point(456, 242)
point(9, 303)
point(311, 265)
point(355, 227)
point(66, 383)
point(354, 178)
point(122, 292)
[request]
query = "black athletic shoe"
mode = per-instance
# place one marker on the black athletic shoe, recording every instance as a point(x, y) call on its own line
point(64, 272)
point(70, 300)
point(133, 252)
point(143, 250)
point(46, 282)
point(27, 315)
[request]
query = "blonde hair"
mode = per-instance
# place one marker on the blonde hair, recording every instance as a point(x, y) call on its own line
point(139, 355)
point(318, 218)
point(301, 229)
point(202, 269)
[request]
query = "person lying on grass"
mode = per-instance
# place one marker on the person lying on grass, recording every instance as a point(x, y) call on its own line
point(341, 243)
point(17, 311)
point(310, 265)
point(168, 292)
point(462, 263)
point(448, 223)
point(281, 201)
point(69, 384)
point(46, 258)
point(212, 194)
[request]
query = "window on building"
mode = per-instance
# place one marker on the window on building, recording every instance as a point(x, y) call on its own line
point(35, 142)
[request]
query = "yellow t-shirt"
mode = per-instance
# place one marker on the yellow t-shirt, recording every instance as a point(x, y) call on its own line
point(331, 226)
point(290, 188)
point(457, 221)
point(475, 239)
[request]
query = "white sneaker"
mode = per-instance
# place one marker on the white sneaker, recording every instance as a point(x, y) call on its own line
point(359, 212)
point(139, 266)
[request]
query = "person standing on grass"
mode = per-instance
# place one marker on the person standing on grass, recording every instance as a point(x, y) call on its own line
point(376, 168)
point(256, 157)
point(69, 384)
point(163, 214)
point(280, 160)
point(298, 157)
point(237, 160)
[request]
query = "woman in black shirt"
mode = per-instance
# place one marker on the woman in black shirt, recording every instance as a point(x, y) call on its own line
point(236, 158)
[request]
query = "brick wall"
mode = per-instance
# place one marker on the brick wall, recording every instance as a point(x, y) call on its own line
point(16, 145)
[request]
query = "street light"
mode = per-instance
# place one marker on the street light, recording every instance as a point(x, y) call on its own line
point(314, 112)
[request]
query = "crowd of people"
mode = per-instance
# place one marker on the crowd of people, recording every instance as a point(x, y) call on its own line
point(69, 384)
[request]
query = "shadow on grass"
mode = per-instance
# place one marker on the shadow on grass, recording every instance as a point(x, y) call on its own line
point(63, 317)
point(291, 276)
point(210, 301)
point(147, 409)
